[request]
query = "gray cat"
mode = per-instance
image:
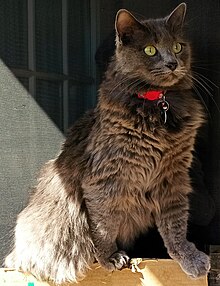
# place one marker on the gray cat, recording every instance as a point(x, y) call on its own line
point(124, 166)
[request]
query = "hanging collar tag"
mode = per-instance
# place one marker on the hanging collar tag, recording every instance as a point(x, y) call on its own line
point(164, 105)
point(159, 95)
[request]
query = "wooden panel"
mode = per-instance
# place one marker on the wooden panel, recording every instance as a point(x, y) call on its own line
point(148, 273)
point(214, 275)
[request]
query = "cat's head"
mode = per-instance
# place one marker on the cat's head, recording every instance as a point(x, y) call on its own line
point(153, 50)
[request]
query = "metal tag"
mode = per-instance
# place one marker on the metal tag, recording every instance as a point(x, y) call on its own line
point(164, 106)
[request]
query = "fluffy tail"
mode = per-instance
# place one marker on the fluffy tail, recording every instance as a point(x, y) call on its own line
point(52, 238)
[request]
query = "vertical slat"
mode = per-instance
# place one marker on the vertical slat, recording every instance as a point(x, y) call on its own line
point(65, 65)
point(95, 41)
point(31, 45)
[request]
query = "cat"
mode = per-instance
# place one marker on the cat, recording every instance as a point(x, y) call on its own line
point(124, 166)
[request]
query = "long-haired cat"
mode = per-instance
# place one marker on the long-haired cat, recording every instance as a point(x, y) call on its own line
point(124, 166)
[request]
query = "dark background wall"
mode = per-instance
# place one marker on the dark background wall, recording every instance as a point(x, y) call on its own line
point(49, 47)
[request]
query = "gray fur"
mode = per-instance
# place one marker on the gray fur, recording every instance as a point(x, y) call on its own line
point(121, 169)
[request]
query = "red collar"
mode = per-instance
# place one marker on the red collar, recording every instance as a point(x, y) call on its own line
point(152, 94)
point(158, 95)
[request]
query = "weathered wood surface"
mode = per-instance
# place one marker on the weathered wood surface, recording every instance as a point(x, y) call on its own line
point(148, 273)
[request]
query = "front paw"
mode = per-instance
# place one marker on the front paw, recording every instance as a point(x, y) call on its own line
point(116, 261)
point(197, 264)
point(194, 263)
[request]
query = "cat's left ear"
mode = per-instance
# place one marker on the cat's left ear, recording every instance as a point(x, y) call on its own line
point(125, 25)
point(176, 19)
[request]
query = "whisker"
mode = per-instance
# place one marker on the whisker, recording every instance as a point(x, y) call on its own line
point(143, 84)
point(201, 86)
point(158, 73)
point(205, 63)
point(120, 83)
point(205, 78)
point(133, 84)
point(202, 81)
point(202, 100)
point(127, 82)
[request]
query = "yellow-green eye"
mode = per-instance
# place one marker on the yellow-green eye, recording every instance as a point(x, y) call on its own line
point(150, 51)
point(177, 48)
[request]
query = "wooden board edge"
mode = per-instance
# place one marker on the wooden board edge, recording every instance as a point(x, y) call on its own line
point(149, 272)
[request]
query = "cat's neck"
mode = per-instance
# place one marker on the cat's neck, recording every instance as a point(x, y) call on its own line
point(119, 95)
point(118, 85)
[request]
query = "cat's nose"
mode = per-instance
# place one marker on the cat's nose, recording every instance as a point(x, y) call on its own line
point(171, 65)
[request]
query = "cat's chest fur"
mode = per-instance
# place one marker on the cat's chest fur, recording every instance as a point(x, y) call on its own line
point(133, 157)
point(133, 145)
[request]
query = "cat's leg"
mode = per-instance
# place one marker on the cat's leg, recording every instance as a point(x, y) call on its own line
point(171, 221)
point(104, 226)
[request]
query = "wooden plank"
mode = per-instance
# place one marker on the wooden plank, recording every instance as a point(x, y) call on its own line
point(149, 273)
point(214, 275)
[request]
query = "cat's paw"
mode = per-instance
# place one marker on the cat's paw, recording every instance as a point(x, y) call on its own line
point(196, 264)
point(119, 260)
point(116, 261)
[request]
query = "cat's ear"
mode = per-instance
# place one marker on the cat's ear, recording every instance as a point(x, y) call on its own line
point(125, 25)
point(176, 19)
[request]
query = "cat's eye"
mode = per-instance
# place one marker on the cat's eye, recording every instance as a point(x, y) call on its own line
point(150, 51)
point(177, 48)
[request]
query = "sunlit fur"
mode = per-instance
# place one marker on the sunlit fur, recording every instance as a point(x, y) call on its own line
point(121, 168)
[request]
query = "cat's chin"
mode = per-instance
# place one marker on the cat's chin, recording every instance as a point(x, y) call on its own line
point(169, 81)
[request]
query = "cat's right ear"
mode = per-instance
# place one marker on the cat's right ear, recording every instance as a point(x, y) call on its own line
point(125, 25)
point(176, 19)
